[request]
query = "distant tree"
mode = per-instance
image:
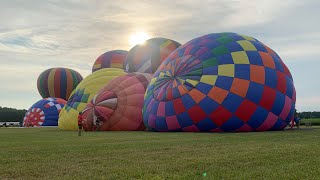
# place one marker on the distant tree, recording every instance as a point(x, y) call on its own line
point(11, 114)
point(309, 114)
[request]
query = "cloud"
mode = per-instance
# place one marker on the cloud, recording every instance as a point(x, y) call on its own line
point(41, 34)
point(28, 42)
point(300, 46)
point(311, 103)
point(246, 13)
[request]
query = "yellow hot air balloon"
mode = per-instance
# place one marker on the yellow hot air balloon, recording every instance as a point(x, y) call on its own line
point(84, 92)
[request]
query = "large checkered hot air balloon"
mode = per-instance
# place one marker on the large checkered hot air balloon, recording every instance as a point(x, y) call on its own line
point(118, 105)
point(58, 82)
point(147, 57)
point(45, 112)
point(110, 59)
point(220, 82)
point(85, 91)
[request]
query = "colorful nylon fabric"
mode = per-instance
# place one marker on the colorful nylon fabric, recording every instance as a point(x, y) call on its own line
point(118, 105)
point(221, 82)
point(147, 57)
point(85, 91)
point(45, 112)
point(110, 59)
point(58, 82)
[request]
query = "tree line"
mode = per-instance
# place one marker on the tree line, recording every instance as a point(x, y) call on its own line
point(11, 114)
point(309, 115)
point(16, 115)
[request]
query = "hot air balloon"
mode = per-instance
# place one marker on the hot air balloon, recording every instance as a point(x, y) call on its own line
point(220, 82)
point(85, 91)
point(118, 105)
point(45, 112)
point(147, 57)
point(58, 82)
point(110, 59)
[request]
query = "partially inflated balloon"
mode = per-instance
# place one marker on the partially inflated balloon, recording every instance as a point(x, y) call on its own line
point(220, 82)
point(83, 94)
point(147, 57)
point(58, 82)
point(44, 113)
point(110, 59)
point(118, 105)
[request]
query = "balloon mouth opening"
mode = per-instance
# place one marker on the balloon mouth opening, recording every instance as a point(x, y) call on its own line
point(108, 100)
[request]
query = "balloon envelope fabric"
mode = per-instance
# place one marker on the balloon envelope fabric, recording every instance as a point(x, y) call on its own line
point(220, 82)
point(45, 112)
point(147, 57)
point(85, 91)
point(110, 59)
point(58, 82)
point(118, 105)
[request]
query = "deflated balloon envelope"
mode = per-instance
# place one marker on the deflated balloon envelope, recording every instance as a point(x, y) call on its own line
point(147, 57)
point(85, 91)
point(220, 82)
point(45, 112)
point(118, 105)
point(110, 59)
point(58, 82)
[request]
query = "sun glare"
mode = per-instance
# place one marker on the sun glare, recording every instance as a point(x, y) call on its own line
point(138, 38)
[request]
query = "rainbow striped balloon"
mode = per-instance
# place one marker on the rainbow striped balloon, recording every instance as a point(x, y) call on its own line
point(147, 57)
point(58, 82)
point(110, 59)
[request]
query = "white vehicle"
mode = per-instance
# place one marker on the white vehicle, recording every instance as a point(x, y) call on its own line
point(2, 124)
point(11, 124)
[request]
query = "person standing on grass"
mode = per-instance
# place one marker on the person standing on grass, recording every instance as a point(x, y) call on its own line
point(297, 120)
point(80, 121)
point(98, 124)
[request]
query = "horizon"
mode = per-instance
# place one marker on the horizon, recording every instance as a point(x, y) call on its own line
point(71, 34)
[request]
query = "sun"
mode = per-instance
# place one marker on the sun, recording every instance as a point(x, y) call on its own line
point(138, 38)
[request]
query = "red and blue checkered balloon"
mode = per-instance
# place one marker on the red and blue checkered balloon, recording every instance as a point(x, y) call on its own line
point(221, 82)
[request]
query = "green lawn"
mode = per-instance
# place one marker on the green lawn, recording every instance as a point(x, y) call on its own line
point(313, 121)
point(49, 153)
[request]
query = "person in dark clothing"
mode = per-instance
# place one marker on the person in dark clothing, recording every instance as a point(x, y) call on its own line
point(296, 119)
point(80, 121)
point(98, 124)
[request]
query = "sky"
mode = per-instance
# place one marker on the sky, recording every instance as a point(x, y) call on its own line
point(40, 34)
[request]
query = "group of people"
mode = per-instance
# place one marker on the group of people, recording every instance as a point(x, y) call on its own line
point(97, 123)
point(296, 121)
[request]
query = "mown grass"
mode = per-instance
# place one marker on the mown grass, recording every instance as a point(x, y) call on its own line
point(49, 153)
point(313, 121)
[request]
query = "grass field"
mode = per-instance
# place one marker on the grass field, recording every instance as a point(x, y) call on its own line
point(313, 121)
point(49, 153)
